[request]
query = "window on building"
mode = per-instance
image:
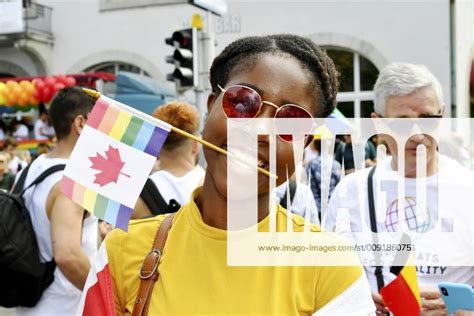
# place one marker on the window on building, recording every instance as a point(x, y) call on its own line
point(358, 76)
point(114, 67)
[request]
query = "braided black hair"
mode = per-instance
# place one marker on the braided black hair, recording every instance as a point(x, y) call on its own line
point(310, 56)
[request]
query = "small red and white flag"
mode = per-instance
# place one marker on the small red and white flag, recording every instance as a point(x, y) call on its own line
point(98, 295)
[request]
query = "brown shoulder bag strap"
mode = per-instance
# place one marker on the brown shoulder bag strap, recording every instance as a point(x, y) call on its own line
point(149, 271)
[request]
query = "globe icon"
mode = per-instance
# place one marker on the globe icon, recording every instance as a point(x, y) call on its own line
point(406, 212)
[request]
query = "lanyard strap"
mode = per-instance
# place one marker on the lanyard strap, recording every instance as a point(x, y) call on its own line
point(373, 227)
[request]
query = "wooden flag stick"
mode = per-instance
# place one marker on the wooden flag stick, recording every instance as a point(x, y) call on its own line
point(97, 94)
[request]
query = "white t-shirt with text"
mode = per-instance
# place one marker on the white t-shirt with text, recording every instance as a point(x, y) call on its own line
point(447, 206)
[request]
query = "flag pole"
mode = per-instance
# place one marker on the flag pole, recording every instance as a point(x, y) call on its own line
point(97, 94)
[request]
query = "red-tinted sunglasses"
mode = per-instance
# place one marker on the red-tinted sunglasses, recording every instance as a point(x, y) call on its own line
point(244, 102)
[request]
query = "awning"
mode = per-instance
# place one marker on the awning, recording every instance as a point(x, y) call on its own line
point(131, 83)
point(140, 92)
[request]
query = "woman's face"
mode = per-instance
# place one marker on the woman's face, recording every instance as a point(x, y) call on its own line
point(277, 78)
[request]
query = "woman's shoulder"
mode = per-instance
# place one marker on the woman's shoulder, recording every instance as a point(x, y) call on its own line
point(139, 225)
point(141, 233)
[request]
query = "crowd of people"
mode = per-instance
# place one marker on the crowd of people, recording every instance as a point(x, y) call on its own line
point(23, 129)
point(13, 160)
point(255, 74)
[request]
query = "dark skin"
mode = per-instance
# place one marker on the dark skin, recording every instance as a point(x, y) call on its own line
point(279, 79)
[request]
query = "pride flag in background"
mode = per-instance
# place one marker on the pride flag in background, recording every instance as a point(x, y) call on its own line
point(112, 159)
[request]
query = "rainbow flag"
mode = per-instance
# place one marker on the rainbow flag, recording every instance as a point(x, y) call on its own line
point(123, 126)
point(31, 145)
point(112, 159)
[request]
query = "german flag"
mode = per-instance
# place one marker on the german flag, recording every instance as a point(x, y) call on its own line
point(402, 295)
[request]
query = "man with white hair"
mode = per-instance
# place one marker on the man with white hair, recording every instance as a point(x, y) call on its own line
point(409, 91)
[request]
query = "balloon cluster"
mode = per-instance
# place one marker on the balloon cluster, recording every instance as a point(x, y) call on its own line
point(47, 88)
point(26, 93)
point(14, 93)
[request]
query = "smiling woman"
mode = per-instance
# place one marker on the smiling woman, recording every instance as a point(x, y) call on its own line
point(268, 76)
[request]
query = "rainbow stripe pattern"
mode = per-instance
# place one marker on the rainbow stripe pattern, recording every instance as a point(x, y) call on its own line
point(32, 145)
point(109, 210)
point(127, 128)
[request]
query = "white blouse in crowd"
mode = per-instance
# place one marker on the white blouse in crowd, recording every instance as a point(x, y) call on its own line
point(178, 188)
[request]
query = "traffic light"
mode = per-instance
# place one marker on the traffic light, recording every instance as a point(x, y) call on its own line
point(184, 58)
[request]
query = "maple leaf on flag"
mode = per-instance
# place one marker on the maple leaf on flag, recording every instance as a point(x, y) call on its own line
point(110, 166)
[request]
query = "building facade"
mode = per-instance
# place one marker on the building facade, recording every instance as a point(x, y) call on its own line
point(362, 36)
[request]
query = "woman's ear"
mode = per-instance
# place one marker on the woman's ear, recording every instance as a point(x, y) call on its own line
point(210, 101)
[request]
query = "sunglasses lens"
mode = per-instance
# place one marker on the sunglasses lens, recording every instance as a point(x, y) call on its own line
point(292, 111)
point(241, 102)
